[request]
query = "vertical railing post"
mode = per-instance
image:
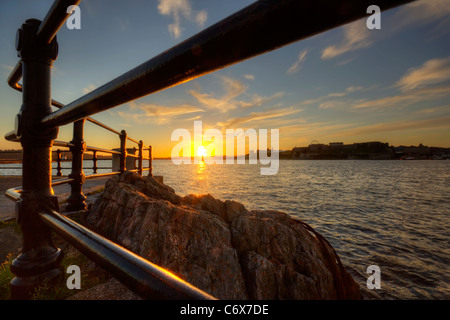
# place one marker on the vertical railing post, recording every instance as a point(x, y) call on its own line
point(39, 260)
point(58, 163)
point(150, 161)
point(141, 157)
point(123, 150)
point(94, 160)
point(77, 200)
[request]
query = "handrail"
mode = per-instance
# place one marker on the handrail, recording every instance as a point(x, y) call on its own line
point(104, 126)
point(143, 277)
point(14, 77)
point(102, 150)
point(270, 24)
point(54, 19)
point(62, 181)
point(14, 193)
point(11, 136)
point(58, 143)
point(106, 174)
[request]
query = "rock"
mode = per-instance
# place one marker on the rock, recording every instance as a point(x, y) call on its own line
point(109, 290)
point(220, 247)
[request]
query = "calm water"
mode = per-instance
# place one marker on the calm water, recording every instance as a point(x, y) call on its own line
point(394, 214)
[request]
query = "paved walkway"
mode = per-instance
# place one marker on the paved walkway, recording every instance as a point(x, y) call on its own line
point(7, 206)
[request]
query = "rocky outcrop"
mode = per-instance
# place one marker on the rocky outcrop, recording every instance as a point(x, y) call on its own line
point(220, 246)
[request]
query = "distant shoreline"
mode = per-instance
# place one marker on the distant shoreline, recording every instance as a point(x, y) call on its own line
point(281, 159)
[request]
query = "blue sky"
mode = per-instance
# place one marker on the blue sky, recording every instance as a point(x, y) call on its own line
point(350, 84)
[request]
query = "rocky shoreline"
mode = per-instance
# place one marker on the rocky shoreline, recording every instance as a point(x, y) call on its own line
point(220, 246)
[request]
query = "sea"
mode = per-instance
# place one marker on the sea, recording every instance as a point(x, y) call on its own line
point(394, 214)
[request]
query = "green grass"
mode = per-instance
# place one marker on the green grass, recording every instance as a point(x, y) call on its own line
point(5, 277)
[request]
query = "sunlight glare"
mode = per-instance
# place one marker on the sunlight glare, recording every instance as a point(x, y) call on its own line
point(201, 152)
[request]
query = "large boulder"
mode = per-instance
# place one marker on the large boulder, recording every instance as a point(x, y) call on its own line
point(220, 247)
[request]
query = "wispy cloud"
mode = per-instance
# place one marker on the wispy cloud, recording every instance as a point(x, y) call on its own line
point(249, 77)
point(179, 9)
point(89, 88)
point(257, 100)
point(356, 36)
point(414, 124)
point(297, 64)
point(153, 113)
point(405, 98)
point(422, 12)
point(233, 89)
point(235, 96)
point(325, 102)
point(123, 23)
point(257, 117)
point(418, 84)
point(431, 72)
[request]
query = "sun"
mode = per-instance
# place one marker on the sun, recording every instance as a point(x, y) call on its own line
point(201, 151)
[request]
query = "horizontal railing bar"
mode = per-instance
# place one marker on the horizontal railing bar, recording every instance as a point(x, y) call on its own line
point(54, 19)
point(58, 143)
point(13, 80)
point(141, 276)
point(135, 141)
point(57, 104)
point(62, 181)
point(104, 126)
point(96, 122)
point(13, 193)
point(263, 26)
point(98, 175)
point(11, 136)
point(132, 155)
point(13, 83)
point(88, 148)
point(14, 77)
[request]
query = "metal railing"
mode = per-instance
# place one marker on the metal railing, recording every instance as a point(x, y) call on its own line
point(262, 26)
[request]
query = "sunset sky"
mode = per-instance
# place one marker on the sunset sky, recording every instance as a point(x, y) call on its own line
point(350, 84)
